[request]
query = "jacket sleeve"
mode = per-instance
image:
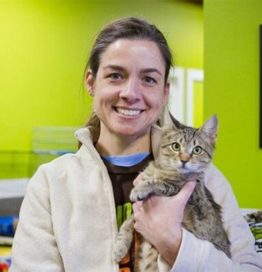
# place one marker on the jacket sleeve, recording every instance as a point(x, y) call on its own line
point(196, 255)
point(34, 247)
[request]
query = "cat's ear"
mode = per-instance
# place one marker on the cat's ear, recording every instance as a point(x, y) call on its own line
point(175, 122)
point(210, 127)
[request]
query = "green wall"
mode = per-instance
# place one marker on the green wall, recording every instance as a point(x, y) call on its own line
point(231, 64)
point(44, 46)
point(43, 51)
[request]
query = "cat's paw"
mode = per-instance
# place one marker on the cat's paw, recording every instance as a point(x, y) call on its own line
point(119, 253)
point(117, 257)
point(140, 193)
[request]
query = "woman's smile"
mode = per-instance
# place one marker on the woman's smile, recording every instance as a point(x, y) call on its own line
point(128, 112)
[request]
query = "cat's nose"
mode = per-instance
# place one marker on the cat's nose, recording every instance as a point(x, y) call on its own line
point(184, 157)
point(184, 162)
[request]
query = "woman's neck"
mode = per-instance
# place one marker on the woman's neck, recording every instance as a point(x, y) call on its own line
point(115, 145)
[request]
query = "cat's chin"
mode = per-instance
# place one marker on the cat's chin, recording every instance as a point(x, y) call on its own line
point(184, 170)
point(188, 170)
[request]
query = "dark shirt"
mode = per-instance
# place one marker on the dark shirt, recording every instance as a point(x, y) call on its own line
point(122, 181)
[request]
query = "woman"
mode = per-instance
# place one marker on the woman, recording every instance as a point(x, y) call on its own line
point(68, 218)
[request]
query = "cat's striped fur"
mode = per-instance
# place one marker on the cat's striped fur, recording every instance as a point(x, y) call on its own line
point(184, 153)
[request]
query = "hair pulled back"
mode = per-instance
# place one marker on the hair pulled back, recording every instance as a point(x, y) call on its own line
point(128, 28)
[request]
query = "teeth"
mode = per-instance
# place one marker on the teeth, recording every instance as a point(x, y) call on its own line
point(128, 112)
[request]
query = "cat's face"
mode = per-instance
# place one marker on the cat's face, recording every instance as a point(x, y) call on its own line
point(188, 149)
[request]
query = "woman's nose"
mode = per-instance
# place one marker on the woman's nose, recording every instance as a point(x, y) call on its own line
point(131, 90)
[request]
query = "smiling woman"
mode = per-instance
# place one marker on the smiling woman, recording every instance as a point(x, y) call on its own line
point(128, 95)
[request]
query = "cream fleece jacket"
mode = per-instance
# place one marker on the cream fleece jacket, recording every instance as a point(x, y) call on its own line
point(68, 221)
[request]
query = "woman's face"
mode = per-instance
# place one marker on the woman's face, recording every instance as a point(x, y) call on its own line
point(129, 89)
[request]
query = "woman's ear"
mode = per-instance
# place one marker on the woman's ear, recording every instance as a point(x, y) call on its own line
point(166, 91)
point(90, 82)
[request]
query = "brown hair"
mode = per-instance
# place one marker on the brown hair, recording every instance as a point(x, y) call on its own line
point(128, 28)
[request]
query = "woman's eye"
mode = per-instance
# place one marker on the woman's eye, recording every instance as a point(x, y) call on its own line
point(150, 80)
point(175, 146)
point(115, 76)
point(197, 150)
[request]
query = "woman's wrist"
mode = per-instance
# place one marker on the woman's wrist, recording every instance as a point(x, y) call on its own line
point(168, 248)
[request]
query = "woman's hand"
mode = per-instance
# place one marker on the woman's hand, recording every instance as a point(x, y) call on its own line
point(159, 220)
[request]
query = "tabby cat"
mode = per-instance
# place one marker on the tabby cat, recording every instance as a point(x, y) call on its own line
point(184, 153)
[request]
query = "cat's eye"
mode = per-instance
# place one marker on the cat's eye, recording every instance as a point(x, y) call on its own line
point(197, 150)
point(175, 146)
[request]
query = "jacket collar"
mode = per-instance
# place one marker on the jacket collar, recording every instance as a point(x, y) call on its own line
point(88, 135)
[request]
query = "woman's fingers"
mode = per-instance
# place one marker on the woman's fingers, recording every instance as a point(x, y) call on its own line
point(185, 193)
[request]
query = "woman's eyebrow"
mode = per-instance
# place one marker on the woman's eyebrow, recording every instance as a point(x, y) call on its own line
point(122, 69)
point(151, 70)
point(114, 67)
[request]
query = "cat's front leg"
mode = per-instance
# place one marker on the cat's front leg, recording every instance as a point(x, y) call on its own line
point(124, 239)
point(154, 188)
point(143, 191)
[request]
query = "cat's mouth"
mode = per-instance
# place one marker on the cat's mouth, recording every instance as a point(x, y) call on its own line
point(184, 165)
point(184, 169)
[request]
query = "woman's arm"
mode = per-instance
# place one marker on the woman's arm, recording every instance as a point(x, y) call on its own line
point(35, 247)
point(158, 223)
point(193, 254)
